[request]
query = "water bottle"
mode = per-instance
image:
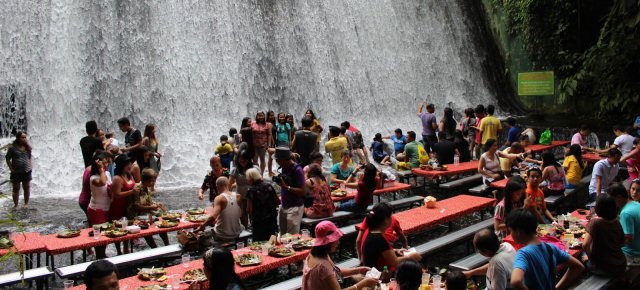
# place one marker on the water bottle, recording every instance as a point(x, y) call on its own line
point(385, 276)
point(456, 159)
point(606, 145)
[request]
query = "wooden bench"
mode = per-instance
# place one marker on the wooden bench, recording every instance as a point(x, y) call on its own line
point(454, 237)
point(593, 283)
point(296, 282)
point(123, 260)
point(338, 215)
point(40, 275)
point(465, 181)
point(405, 176)
point(554, 200)
point(469, 262)
point(479, 189)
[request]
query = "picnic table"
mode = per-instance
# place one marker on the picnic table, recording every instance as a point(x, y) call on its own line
point(540, 147)
point(26, 244)
point(56, 245)
point(268, 263)
point(573, 252)
point(351, 193)
point(500, 184)
point(592, 157)
point(452, 169)
point(418, 219)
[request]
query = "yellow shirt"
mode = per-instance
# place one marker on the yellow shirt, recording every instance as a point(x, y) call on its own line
point(335, 147)
point(223, 149)
point(489, 127)
point(506, 163)
point(573, 169)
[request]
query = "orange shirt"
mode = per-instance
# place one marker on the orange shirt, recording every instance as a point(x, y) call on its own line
point(537, 199)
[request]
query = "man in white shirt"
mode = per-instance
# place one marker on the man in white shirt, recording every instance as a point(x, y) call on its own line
point(502, 256)
point(604, 173)
point(623, 141)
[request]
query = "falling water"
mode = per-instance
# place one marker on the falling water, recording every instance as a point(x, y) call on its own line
point(195, 68)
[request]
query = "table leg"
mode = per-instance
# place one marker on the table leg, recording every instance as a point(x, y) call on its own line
point(38, 257)
point(84, 255)
point(71, 257)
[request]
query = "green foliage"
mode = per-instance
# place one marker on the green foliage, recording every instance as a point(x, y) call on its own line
point(592, 45)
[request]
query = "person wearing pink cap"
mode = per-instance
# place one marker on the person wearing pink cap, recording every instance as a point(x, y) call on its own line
point(319, 270)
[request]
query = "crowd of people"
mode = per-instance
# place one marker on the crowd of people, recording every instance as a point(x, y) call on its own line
point(119, 181)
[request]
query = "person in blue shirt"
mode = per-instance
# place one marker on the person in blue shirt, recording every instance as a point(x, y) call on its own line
point(630, 222)
point(513, 134)
point(377, 148)
point(399, 140)
point(535, 264)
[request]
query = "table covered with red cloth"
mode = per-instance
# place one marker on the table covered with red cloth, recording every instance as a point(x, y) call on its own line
point(25, 243)
point(351, 194)
point(592, 157)
point(420, 218)
point(452, 169)
point(268, 263)
point(539, 147)
point(500, 184)
point(56, 245)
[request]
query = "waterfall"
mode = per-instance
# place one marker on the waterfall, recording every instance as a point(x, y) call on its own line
point(195, 68)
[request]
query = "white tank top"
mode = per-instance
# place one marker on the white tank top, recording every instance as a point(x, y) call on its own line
point(100, 198)
point(228, 226)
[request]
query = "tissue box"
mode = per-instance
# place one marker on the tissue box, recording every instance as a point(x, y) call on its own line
point(133, 229)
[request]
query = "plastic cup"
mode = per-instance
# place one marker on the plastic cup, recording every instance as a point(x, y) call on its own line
point(96, 233)
point(175, 281)
point(186, 258)
point(437, 279)
point(305, 234)
point(265, 249)
point(124, 223)
point(425, 278)
point(68, 284)
point(239, 245)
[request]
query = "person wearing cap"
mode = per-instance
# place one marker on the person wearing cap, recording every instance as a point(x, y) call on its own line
point(320, 272)
point(292, 189)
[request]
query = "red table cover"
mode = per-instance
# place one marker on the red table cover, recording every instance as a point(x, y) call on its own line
point(57, 245)
point(351, 195)
point(268, 263)
point(592, 157)
point(26, 243)
point(500, 184)
point(540, 147)
point(452, 169)
point(421, 218)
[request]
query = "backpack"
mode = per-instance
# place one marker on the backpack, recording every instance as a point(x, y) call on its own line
point(423, 156)
point(545, 137)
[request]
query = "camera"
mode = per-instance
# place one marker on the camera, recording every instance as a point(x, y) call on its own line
point(277, 178)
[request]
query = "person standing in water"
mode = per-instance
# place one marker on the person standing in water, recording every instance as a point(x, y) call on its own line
point(19, 162)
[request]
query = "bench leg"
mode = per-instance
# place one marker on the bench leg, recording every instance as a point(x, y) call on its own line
point(71, 257)
point(38, 257)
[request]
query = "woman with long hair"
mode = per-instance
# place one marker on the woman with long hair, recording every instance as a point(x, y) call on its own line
point(122, 186)
point(466, 125)
point(462, 146)
point(632, 159)
point(319, 188)
point(376, 250)
point(315, 126)
point(262, 138)
point(320, 272)
point(292, 124)
point(366, 186)
point(219, 267)
point(553, 173)
point(238, 178)
point(150, 140)
point(513, 198)
point(19, 162)
point(448, 124)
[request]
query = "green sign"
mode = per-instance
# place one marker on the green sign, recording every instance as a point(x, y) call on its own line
point(535, 83)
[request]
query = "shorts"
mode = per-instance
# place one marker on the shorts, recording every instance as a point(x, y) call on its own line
point(290, 218)
point(261, 150)
point(17, 177)
point(97, 216)
point(357, 146)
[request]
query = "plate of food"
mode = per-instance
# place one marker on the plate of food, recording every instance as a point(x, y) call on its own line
point(195, 275)
point(171, 216)
point(303, 244)
point(195, 211)
point(338, 193)
point(197, 218)
point(103, 226)
point(154, 287)
point(257, 246)
point(576, 231)
point(141, 223)
point(68, 233)
point(114, 233)
point(248, 260)
point(155, 274)
point(286, 238)
point(5, 243)
point(281, 252)
point(166, 224)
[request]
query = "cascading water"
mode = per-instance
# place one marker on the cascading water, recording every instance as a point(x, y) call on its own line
point(195, 68)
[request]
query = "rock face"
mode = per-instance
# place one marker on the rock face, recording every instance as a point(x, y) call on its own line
point(195, 68)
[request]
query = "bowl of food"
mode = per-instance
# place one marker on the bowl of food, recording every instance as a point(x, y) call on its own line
point(149, 274)
point(68, 233)
point(195, 211)
point(248, 259)
point(281, 252)
point(430, 201)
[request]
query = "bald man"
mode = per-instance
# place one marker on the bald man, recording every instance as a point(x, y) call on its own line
point(498, 271)
point(226, 214)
